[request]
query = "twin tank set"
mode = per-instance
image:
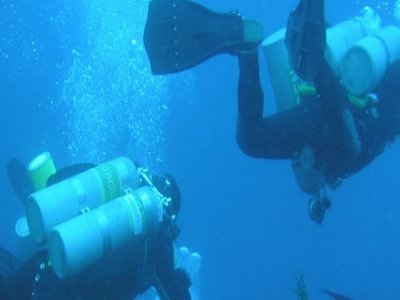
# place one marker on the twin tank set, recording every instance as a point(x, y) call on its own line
point(89, 215)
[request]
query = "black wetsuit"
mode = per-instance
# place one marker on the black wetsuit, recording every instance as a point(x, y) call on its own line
point(122, 275)
point(316, 121)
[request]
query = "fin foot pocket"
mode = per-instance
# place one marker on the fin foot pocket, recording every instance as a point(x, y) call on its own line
point(253, 33)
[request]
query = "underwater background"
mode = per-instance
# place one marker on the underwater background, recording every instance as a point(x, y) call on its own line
point(75, 81)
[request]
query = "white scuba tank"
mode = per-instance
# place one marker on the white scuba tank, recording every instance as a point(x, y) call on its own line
point(339, 38)
point(64, 200)
point(366, 62)
point(79, 242)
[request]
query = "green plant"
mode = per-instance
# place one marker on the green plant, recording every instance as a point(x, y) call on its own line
point(301, 289)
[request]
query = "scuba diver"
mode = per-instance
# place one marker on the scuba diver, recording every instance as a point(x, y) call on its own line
point(331, 133)
point(123, 273)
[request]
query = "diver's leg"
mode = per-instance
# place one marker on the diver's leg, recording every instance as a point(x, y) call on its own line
point(250, 105)
point(250, 93)
point(278, 136)
point(306, 39)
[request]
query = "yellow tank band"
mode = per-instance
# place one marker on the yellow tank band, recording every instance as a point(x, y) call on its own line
point(136, 215)
point(358, 101)
point(40, 169)
point(111, 181)
point(306, 89)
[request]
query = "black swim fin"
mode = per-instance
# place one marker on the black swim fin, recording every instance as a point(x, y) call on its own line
point(180, 34)
point(306, 38)
point(335, 295)
point(19, 179)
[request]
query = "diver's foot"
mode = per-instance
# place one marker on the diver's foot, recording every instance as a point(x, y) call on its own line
point(317, 208)
point(253, 34)
point(245, 37)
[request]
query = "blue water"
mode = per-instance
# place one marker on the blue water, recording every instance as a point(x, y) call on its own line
point(75, 80)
